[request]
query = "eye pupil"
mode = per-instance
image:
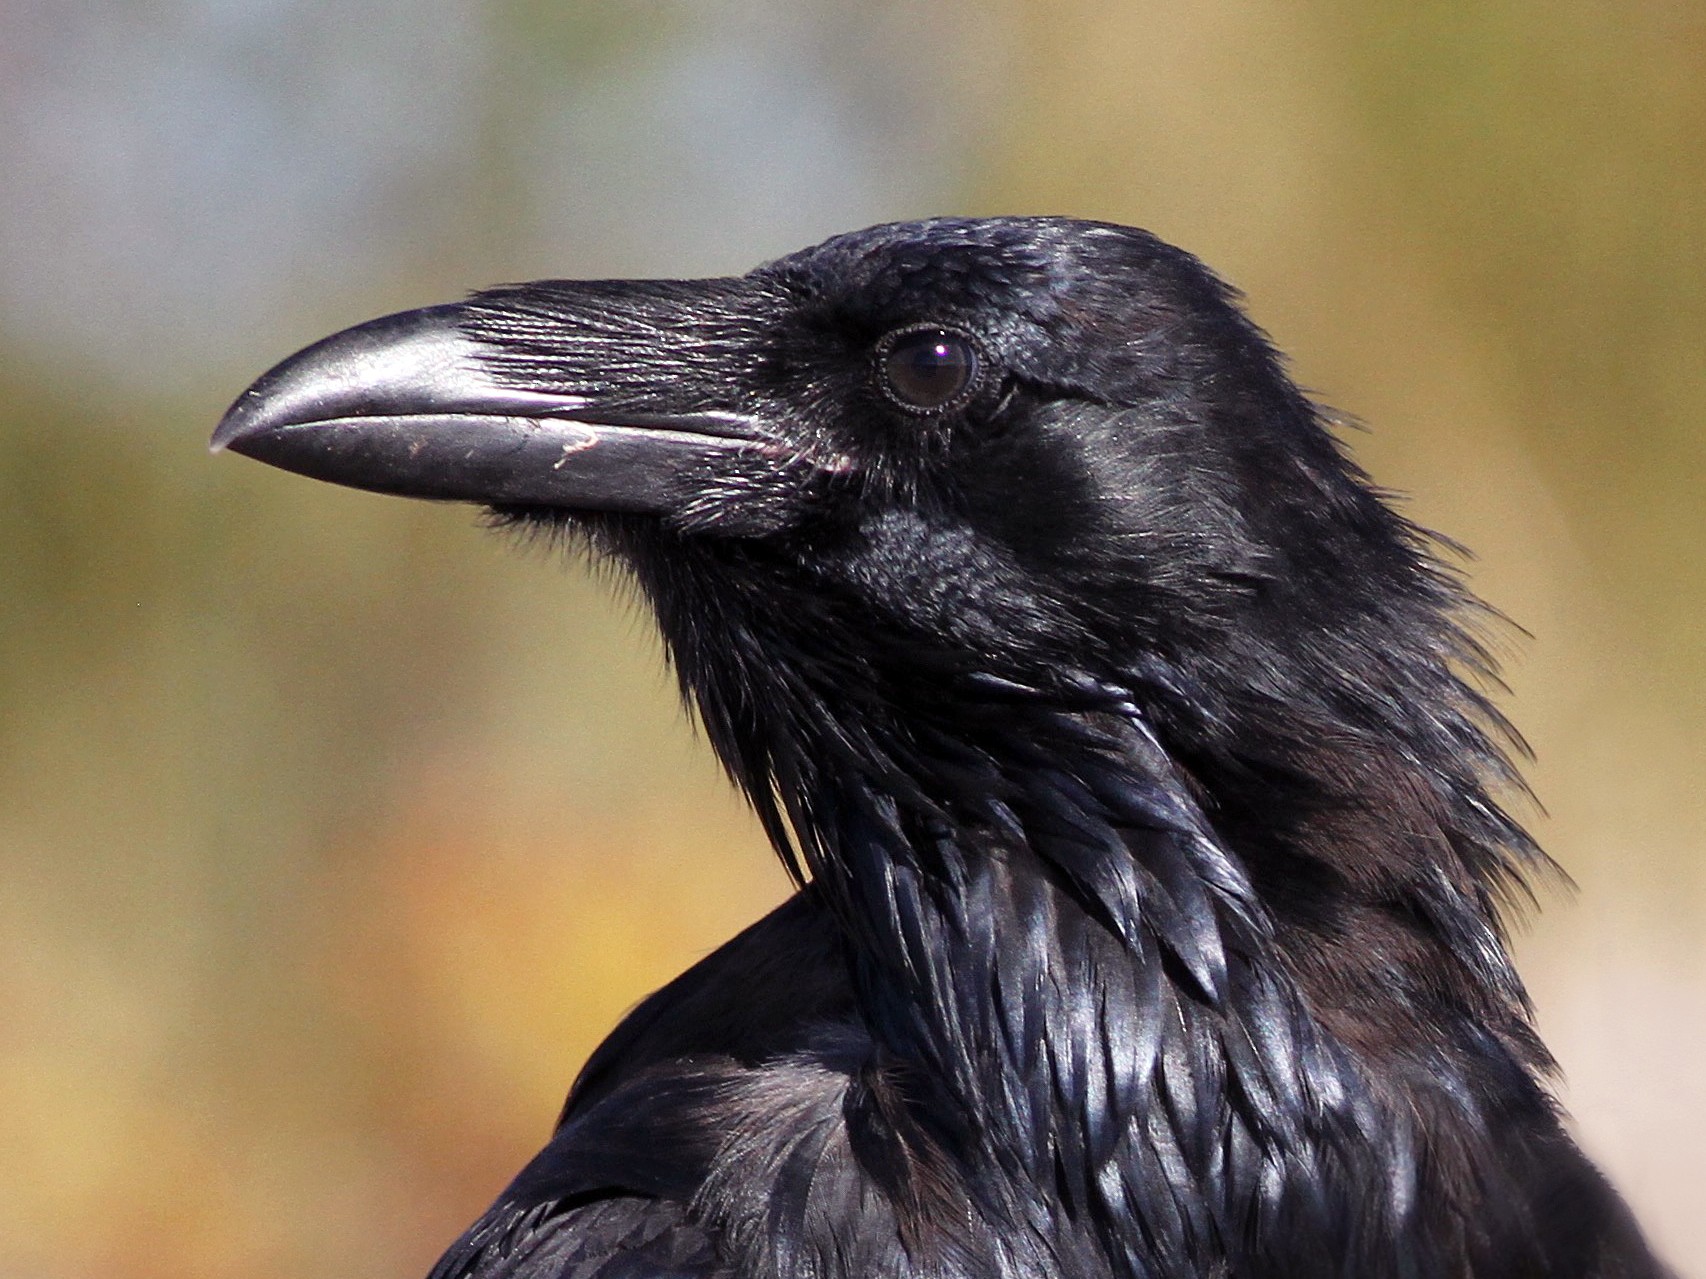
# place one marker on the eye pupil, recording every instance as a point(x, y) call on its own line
point(929, 369)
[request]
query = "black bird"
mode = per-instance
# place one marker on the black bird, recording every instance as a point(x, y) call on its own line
point(1131, 754)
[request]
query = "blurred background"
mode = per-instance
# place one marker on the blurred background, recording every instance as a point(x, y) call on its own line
point(334, 832)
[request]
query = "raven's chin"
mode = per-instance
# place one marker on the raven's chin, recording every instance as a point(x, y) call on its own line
point(753, 497)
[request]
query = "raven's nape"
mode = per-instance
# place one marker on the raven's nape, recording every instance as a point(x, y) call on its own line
point(1130, 740)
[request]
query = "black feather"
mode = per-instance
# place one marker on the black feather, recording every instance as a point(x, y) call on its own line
point(1136, 761)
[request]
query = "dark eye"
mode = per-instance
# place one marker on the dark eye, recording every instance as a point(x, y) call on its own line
point(927, 369)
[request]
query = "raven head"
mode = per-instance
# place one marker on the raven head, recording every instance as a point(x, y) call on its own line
point(1038, 440)
point(866, 483)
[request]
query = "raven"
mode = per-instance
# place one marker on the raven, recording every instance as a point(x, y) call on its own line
point(1132, 755)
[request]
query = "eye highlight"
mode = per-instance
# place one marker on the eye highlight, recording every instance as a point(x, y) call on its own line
point(927, 370)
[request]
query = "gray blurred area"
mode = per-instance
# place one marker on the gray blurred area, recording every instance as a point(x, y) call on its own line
point(334, 832)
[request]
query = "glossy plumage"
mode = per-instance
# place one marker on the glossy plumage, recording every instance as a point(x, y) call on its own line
point(1129, 747)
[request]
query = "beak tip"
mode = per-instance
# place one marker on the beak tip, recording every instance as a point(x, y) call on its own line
point(239, 421)
point(223, 434)
point(395, 363)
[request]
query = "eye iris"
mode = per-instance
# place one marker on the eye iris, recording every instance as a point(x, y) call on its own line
point(927, 370)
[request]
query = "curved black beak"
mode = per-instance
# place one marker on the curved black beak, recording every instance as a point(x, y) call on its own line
point(404, 405)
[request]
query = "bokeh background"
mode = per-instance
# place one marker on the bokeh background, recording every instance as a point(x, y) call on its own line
point(334, 832)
